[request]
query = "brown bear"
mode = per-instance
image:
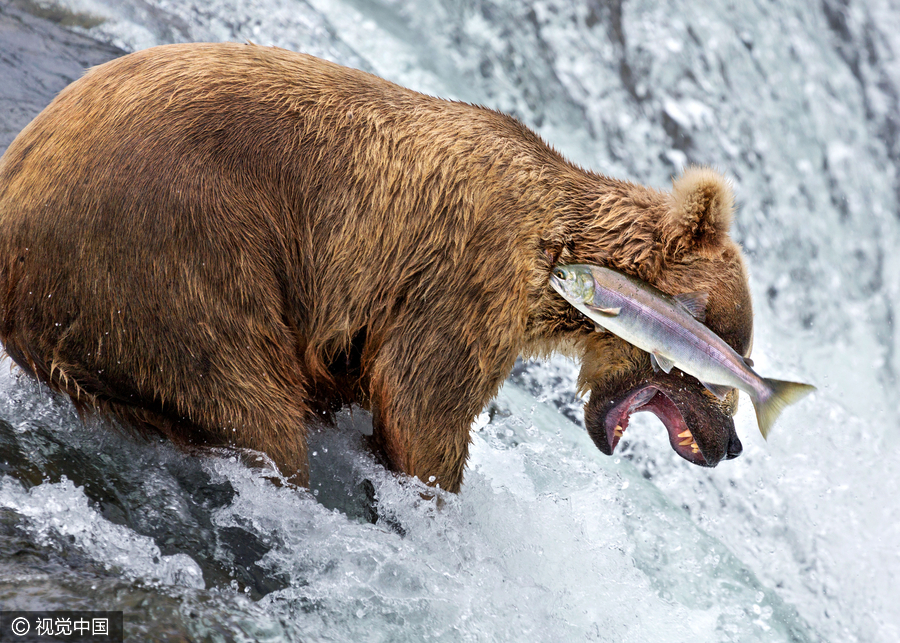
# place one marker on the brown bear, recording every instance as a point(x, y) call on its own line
point(224, 242)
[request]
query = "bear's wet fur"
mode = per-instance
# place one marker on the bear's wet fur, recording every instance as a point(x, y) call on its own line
point(222, 242)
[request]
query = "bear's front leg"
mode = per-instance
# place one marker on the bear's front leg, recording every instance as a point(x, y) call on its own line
point(426, 388)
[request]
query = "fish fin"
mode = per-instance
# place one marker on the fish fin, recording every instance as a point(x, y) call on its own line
point(716, 389)
point(780, 395)
point(748, 362)
point(661, 363)
point(694, 303)
point(608, 312)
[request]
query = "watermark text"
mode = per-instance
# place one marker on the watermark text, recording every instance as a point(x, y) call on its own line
point(69, 626)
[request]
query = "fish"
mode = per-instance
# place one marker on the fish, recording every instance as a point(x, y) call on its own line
point(671, 329)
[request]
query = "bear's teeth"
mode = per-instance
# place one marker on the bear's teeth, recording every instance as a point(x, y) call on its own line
point(685, 434)
point(685, 442)
point(619, 430)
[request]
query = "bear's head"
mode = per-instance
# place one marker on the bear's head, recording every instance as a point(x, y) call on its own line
point(679, 243)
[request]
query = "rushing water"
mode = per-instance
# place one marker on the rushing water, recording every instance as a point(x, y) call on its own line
point(549, 540)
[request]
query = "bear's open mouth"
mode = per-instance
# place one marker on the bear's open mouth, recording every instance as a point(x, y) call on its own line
point(650, 398)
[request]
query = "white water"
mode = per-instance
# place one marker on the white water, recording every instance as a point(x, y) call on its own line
point(550, 540)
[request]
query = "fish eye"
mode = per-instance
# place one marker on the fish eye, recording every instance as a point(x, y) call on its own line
point(559, 273)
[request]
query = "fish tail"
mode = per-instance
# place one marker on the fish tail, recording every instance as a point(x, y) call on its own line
point(779, 394)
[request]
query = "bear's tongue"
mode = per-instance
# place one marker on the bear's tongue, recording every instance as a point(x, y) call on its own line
point(650, 398)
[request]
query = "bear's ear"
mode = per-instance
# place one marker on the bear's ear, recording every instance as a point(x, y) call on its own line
point(699, 213)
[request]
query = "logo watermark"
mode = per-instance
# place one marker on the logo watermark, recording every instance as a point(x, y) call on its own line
point(77, 627)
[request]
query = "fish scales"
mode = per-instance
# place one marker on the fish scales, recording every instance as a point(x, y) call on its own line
point(669, 329)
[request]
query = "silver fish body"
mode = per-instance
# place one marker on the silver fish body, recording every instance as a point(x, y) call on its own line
point(671, 330)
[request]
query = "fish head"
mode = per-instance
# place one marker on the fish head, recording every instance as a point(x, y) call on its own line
point(575, 283)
